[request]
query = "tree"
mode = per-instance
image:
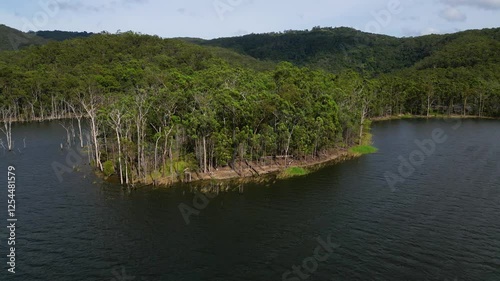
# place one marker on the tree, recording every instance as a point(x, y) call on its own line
point(91, 104)
point(7, 119)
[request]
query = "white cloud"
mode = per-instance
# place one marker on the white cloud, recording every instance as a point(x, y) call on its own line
point(97, 6)
point(452, 14)
point(484, 4)
point(199, 18)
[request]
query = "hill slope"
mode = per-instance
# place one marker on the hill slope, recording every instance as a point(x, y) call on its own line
point(337, 49)
point(13, 39)
point(58, 35)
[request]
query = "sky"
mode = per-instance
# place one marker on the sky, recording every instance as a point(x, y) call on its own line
point(224, 18)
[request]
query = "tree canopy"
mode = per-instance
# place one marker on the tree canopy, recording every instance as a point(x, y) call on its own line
point(157, 107)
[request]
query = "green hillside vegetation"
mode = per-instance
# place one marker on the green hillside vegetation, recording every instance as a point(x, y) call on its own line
point(13, 39)
point(337, 49)
point(155, 104)
point(334, 49)
point(239, 60)
point(58, 35)
point(434, 74)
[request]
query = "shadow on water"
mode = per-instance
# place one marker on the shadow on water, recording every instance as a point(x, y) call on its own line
point(440, 223)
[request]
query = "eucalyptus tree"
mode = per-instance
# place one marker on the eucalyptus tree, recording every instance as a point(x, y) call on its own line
point(141, 108)
point(116, 121)
point(78, 114)
point(91, 103)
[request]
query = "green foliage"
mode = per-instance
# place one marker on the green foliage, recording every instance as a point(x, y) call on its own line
point(58, 35)
point(202, 107)
point(293, 172)
point(339, 49)
point(12, 39)
point(108, 168)
point(363, 149)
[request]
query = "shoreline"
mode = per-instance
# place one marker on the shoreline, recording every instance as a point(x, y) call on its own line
point(435, 116)
point(260, 174)
point(40, 120)
point(254, 173)
point(275, 170)
point(267, 170)
point(225, 178)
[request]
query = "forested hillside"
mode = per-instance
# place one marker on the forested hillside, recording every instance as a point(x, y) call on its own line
point(461, 77)
point(157, 107)
point(446, 74)
point(58, 35)
point(338, 49)
point(13, 39)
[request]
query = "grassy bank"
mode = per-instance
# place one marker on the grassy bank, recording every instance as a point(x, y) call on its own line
point(293, 172)
point(363, 149)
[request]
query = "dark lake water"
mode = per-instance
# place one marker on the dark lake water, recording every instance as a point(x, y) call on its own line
point(440, 221)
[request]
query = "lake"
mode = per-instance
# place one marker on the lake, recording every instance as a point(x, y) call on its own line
point(425, 207)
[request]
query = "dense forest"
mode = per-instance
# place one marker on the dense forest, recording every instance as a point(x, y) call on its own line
point(158, 107)
point(338, 49)
point(434, 74)
point(13, 39)
point(58, 35)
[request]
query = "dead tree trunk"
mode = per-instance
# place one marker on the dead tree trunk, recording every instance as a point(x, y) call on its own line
point(90, 107)
point(116, 117)
point(140, 122)
point(7, 115)
point(78, 114)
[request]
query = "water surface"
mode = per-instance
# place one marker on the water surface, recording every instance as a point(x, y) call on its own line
point(441, 223)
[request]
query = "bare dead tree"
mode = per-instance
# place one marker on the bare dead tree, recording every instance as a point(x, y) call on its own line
point(116, 117)
point(142, 109)
point(91, 105)
point(7, 118)
point(68, 132)
point(78, 114)
point(364, 112)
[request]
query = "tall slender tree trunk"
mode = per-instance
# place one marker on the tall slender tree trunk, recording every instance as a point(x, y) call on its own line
point(91, 109)
point(79, 121)
point(7, 115)
point(204, 155)
point(171, 162)
point(117, 130)
point(428, 105)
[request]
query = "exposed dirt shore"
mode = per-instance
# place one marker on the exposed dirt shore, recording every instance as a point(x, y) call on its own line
point(263, 170)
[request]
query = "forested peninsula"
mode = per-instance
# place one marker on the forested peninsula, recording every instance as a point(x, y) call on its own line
point(166, 110)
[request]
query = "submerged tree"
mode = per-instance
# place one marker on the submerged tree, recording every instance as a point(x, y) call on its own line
point(7, 115)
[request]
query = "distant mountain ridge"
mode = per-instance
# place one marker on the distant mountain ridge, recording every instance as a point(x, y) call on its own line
point(13, 39)
point(337, 49)
point(332, 49)
point(58, 35)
